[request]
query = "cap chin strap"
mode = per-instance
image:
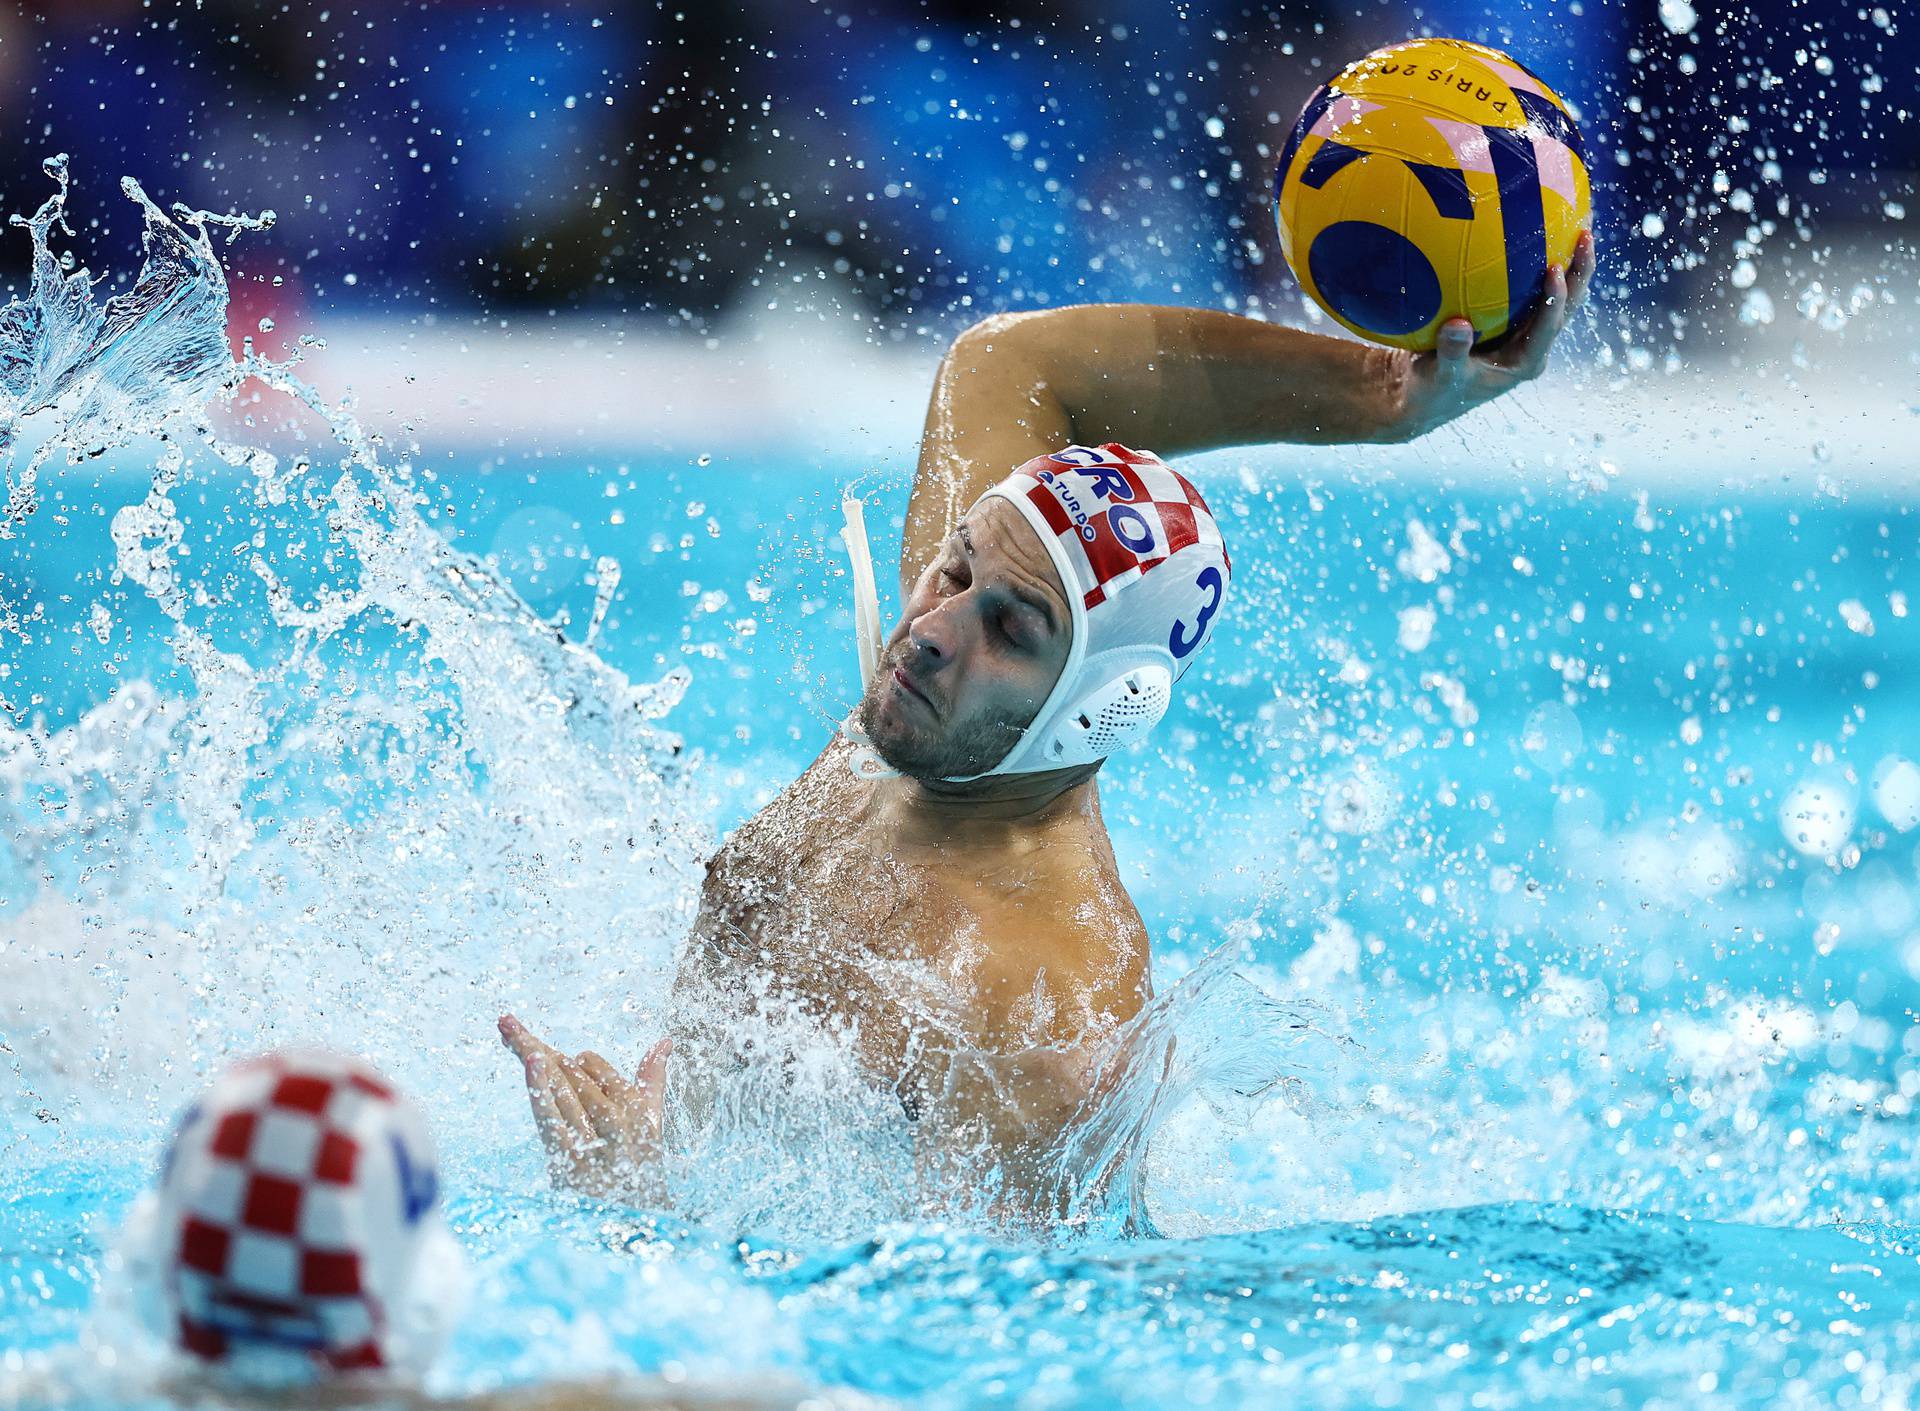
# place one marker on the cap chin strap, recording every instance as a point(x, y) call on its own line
point(867, 641)
point(1129, 696)
point(865, 761)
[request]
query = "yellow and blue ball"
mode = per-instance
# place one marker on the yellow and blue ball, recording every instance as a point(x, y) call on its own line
point(1431, 180)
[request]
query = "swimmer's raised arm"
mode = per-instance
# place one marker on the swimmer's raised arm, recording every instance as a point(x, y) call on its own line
point(1177, 381)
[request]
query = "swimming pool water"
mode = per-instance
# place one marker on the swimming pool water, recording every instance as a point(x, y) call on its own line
point(1568, 831)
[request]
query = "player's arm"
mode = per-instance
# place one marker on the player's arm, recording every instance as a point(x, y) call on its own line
point(1177, 381)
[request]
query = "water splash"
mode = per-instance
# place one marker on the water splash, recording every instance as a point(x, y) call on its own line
point(390, 778)
point(393, 798)
point(110, 371)
point(1214, 1039)
point(394, 795)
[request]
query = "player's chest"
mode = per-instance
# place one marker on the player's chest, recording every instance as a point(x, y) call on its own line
point(851, 896)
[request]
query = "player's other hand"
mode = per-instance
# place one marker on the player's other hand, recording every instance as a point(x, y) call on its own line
point(602, 1130)
point(1431, 389)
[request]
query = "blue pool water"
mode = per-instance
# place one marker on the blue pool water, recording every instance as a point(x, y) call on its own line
point(1611, 1103)
point(1532, 876)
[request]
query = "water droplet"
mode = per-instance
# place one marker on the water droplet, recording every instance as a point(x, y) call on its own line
point(1678, 16)
point(1817, 816)
point(1896, 791)
point(1552, 737)
point(1416, 627)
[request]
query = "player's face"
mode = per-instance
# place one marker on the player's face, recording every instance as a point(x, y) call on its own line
point(983, 640)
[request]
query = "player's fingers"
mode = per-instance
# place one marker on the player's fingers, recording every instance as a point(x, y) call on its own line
point(557, 1132)
point(611, 1080)
point(1525, 354)
point(650, 1085)
point(1580, 273)
point(625, 1115)
point(1557, 298)
point(525, 1045)
point(1550, 320)
point(546, 1117)
point(1452, 350)
point(651, 1077)
point(567, 1101)
point(608, 1119)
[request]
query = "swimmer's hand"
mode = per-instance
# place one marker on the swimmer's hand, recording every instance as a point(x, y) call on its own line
point(1431, 389)
point(601, 1130)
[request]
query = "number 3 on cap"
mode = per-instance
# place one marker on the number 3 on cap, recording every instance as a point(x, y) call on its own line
point(1182, 643)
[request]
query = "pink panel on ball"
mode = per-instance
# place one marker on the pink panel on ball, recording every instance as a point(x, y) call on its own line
point(1469, 144)
point(1555, 164)
point(1517, 79)
point(1339, 113)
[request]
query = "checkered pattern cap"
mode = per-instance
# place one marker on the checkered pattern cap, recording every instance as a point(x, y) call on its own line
point(290, 1211)
point(1119, 515)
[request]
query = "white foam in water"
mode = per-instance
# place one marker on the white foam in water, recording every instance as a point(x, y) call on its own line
point(1816, 817)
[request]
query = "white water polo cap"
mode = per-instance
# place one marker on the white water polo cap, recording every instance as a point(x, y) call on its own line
point(296, 1225)
point(1145, 570)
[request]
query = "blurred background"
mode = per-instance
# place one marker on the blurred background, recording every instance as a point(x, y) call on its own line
point(905, 165)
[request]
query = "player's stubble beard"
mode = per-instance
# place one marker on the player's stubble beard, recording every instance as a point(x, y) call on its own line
point(937, 749)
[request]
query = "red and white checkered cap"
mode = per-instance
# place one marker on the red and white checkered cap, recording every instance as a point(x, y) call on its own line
point(1145, 571)
point(1119, 514)
point(291, 1212)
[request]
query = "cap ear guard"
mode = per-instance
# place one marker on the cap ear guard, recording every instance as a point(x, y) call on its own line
point(1110, 717)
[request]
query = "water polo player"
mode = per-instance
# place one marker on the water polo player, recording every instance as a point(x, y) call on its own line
point(938, 886)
